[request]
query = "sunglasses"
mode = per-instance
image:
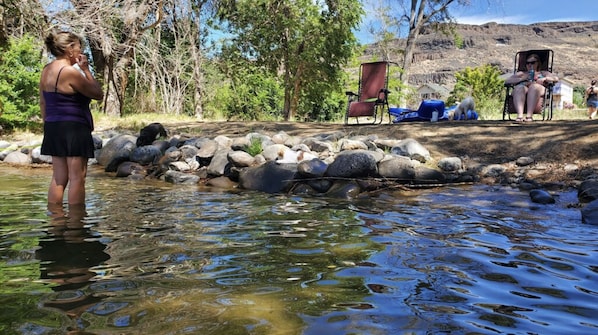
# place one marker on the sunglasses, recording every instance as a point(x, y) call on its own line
point(530, 62)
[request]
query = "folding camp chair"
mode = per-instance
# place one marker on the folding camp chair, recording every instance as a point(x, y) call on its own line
point(372, 97)
point(546, 58)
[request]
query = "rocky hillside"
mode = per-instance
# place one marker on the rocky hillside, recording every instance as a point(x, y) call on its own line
point(437, 58)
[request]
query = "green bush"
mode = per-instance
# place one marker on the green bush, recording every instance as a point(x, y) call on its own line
point(20, 68)
point(254, 96)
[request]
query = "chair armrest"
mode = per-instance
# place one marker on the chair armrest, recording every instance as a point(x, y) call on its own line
point(350, 93)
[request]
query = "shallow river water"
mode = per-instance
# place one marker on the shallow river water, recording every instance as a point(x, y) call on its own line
point(149, 257)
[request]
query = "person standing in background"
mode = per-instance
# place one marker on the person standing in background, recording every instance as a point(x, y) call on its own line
point(66, 89)
point(591, 98)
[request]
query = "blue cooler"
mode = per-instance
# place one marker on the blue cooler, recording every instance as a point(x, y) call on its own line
point(428, 106)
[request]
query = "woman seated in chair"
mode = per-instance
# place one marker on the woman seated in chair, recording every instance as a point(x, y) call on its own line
point(529, 91)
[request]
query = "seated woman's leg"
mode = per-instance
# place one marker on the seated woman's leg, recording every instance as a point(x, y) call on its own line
point(534, 93)
point(519, 93)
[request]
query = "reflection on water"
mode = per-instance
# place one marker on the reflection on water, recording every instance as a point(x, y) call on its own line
point(153, 258)
point(67, 256)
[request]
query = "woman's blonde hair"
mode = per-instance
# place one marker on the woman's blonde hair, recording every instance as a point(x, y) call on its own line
point(58, 42)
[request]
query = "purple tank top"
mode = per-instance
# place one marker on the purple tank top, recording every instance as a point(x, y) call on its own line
point(67, 107)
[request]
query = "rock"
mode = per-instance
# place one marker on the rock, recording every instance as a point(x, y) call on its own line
point(97, 142)
point(450, 164)
point(588, 191)
point(353, 164)
point(38, 158)
point(221, 182)
point(348, 144)
point(412, 149)
point(589, 213)
point(240, 144)
point(541, 197)
point(493, 170)
point(145, 155)
point(312, 169)
point(318, 145)
point(180, 166)
point(524, 161)
point(177, 177)
point(276, 151)
point(162, 145)
point(425, 175)
point(189, 151)
point(386, 144)
point(126, 169)
point(223, 141)
point(115, 151)
point(269, 177)
point(207, 150)
point(320, 185)
point(240, 158)
point(399, 167)
point(219, 164)
point(303, 189)
point(344, 189)
point(18, 158)
point(281, 138)
point(7, 150)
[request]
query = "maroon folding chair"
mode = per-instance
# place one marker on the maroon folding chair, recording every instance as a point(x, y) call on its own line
point(371, 101)
point(546, 58)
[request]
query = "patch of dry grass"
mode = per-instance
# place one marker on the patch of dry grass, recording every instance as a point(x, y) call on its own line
point(136, 121)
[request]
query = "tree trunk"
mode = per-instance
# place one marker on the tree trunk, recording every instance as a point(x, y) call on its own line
point(117, 80)
point(197, 70)
point(294, 104)
point(3, 32)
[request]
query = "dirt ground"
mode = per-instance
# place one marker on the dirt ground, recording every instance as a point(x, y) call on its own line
point(488, 142)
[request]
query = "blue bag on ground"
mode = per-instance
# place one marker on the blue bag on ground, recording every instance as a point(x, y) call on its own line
point(424, 113)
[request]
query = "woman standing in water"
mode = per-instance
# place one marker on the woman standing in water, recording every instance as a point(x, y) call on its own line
point(66, 89)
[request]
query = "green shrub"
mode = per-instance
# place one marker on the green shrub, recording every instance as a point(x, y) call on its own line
point(255, 146)
point(254, 95)
point(20, 68)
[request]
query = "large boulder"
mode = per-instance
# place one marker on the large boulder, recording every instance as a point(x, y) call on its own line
point(399, 167)
point(269, 177)
point(147, 154)
point(589, 214)
point(588, 190)
point(353, 164)
point(115, 151)
point(541, 197)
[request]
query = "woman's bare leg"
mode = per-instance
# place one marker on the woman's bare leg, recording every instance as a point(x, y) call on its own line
point(519, 93)
point(60, 179)
point(592, 112)
point(534, 93)
point(77, 171)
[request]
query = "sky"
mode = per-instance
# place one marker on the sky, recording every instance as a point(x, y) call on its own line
point(512, 12)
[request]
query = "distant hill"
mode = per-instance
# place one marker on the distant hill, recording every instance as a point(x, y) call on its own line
point(437, 58)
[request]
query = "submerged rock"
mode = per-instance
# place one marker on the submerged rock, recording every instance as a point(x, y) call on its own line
point(541, 197)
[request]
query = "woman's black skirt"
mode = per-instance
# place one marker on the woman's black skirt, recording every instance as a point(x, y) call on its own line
point(67, 139)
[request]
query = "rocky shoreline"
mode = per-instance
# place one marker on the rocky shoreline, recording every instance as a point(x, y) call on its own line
point(335, 163)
